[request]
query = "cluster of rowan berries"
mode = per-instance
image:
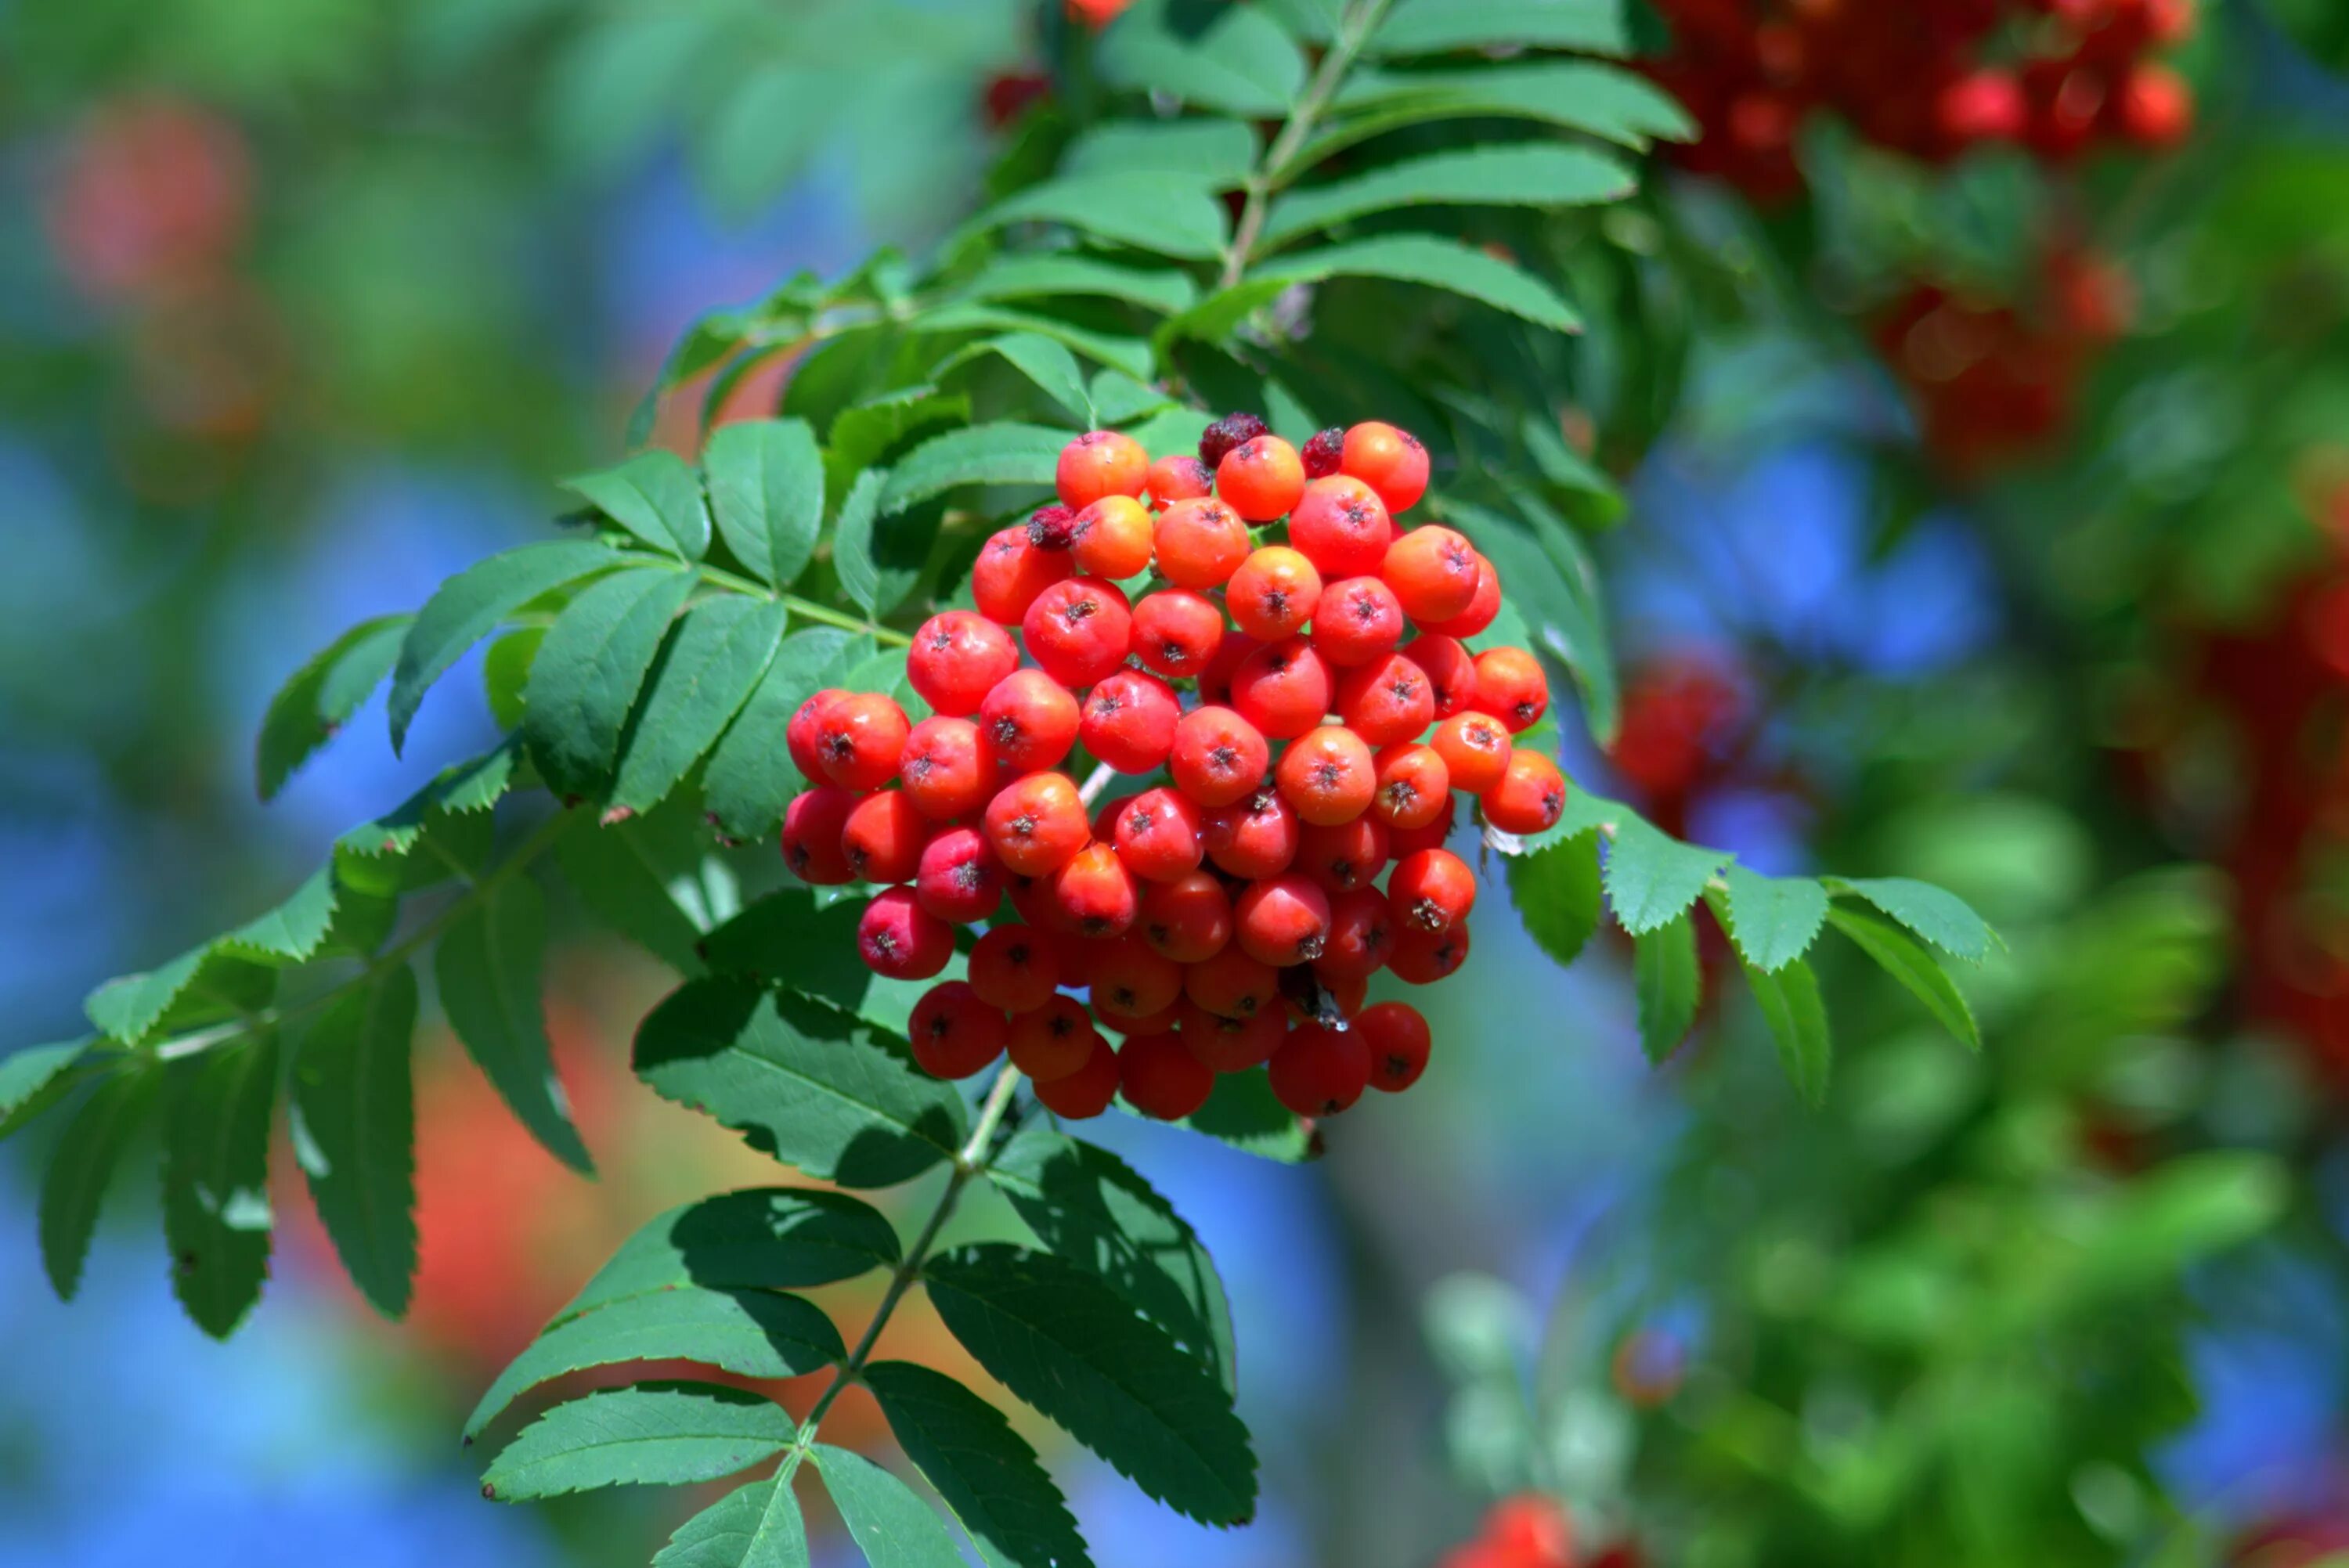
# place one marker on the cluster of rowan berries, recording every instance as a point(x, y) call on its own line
point(1931, 78)
point(1528, 1531)
point(1230, 916)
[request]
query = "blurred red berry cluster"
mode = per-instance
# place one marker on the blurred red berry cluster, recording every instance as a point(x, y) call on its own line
point(1530, 1531)
point(1686, 717)
point(1992, 380)
point(1927, 77)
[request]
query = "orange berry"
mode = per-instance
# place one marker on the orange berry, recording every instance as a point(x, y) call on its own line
point(1475, 749)
point(1158, 835)
point(1386, 700)
point(1273, 593)
point(956, 658)
point(1053, 1040)
point(959, 878)
point(1200, 543)
point(1231, 985)
point(1530, 797)
point(1482, 612)
point(1511, 687)
point(1358, 620)
point(1100, 463)
point(1342, 527)
point(1282, 921)
point(1397, 1038)
point(1230, 1044)
point(1097, 896)
point(1434, 572)
point(861, 740)
point(1218, 756)
point(1389, 460)
point(812, 825)
point(1256, 837)
point(1423, 957)
point(948, 769)
point(1362, 935)
point(1318, 1071)
point(1344, 857)
point(1414, 788)
point(1329, 775)
point(1010, 571)
point(1431, 890)
point(1451, 671)
point(884, 837)
point(1282, 689)
point(1178, 632)
point(1110, 538)
point(1135, 981)
point(1015, 967)
point(1085, 1093)
point(898, 938)
point(1037, 824)
point(1180, 477)
point(1028, 722)
point(1188, 920)
point(1160, 1077)
point(954, 1032)
point(1262, 478)
point(1078, 630)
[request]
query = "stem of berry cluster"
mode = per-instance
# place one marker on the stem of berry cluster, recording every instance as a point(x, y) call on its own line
point(1090, 792)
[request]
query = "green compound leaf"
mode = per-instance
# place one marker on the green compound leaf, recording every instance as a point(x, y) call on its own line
point(873, 584)
point(1799, 1022)
point(658, 1434)
point(1914, 967)
point(34, 1078)
point(1001, 454)
point(1774, 920)
point(1940, 917)
point(1555, 891)
point(653, 496)
point(1435, 262)
point(988, 1474)
point(1219, 153)
point(830, 1094)
point(1090, 1208)
point(765, 1238)
point(448, 820)
point(646, 878)
point(293, 931)
point(491, 969)
point(216, 1215)
point(322, 696)
point(1667, 982)
point(751, 778)
point(1530, 174)
point(588, 671)
point(752, 1333)
point(469, 607)
point(1440, 26)
point(1068, 1344)
point(766, 485)
point(74, 1190)
point(1053, 277)
point(891, 1526)
point(1046, 361)
point(203, 985)
point(754, 1526)
point(1241, 63)
point(1166, 215)
point(355, 1132)
point(712, 663)
point(1653, 876)
point(1580, 95)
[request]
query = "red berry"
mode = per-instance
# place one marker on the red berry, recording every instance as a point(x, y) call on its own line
point(1329, 775)
point(1981, 105)
point(1053, 1040)
point(884, 837)
point(1132, 979)
point(1252, 838)
point(1482, 612)
point(2155, 108)
point(898, 938)
point(1231, 430)
point(1432, 890)
point(1529, 1529)
point(956, 658)
point(1188, 920)
point(1078, 630)
point(1157, 834)
point(1015, 967)
point(1396, 1036)
point(1110, 538)
point(1434, 572)
point(1037, 824)
point(959, 878)
point(1282, 921)
point(1423, 957)
point(1010, 571)
point(1318, 1071)
point(1231, 985)
point(801, 735)
point(1100, 463)
point(1386, 700)
point(1262, 478)
point(1216, 680)
point(1178, 632)
point(1325, 453)
point(1342, 527)
point(1273, 593)
point(1096, 894)
point(1161, 1078)
point(1230, 1044)
point(1086, 1092)
point(1475, 750)
point(1180, 477)
point(1511, 687)
point(1129, 721)
point(1362, 935)
point(812, 824)
point(860, 740)
point(1218, 756)
point(1282, 689)
point(1345, 856)
point(954, 1032)
point(1358, 620)
point(1401, 842)
point(1131, 1023)
point(1414, 786)
point(1028, 721)
point(1451, 671)
point(1053, 528)
point(1530, 797)
point(1199, 543)
point(948, 769)
point(1390, 461)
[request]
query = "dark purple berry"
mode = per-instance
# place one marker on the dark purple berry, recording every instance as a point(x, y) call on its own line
point(1231, 430)
point(1323, 452)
